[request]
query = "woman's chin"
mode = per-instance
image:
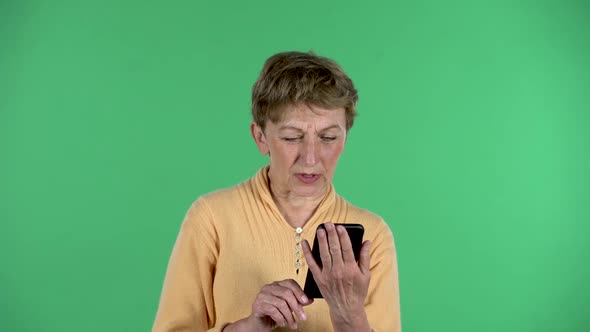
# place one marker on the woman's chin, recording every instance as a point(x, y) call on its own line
point(307, 190)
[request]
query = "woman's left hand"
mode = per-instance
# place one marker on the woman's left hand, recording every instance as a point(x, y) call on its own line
point(343, 283)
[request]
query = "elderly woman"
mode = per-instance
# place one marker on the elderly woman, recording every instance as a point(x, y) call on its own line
point(242, 254)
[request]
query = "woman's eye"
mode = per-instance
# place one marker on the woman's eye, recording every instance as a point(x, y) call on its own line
point(328, 138)
point(290, 139)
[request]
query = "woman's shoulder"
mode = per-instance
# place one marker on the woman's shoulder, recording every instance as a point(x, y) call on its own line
point(224, 199)
point(372, 222)
point(354, 212)
point(210, 211)
point(221, 198)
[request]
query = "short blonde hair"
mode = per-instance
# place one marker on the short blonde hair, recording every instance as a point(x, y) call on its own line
point(294, 78)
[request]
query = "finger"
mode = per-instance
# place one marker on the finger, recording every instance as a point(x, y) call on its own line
point(271, 311)
point(284, 291)
point(315, 269)
point(365, 257)
point(274, 294)
point(311, 262)
point(334, 244)
point(346, 245)
point(283, 308)
point(294, 297)
point(296, 289)
point(325, 255)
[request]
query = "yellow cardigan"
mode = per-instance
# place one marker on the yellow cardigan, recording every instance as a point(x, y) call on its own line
point(234, 241)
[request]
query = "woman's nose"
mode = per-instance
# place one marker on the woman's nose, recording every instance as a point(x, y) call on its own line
point(309, 152)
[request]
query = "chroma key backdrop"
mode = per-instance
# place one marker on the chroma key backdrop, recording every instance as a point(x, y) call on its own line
point(472, 142)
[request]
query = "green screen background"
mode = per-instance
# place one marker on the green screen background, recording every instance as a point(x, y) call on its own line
point(472, 142)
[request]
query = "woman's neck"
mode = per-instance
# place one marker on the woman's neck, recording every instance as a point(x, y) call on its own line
point(295, 209)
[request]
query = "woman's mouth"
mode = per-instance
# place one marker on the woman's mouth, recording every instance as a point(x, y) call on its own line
point(307, 178)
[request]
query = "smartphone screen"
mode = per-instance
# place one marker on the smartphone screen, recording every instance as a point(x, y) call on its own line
point(355, 232)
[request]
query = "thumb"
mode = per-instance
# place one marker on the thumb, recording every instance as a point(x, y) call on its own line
point(365, 257)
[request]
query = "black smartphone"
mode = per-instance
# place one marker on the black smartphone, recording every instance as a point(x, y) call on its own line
point(355, 232)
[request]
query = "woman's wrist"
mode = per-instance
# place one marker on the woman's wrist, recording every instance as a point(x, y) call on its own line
point(350, 321)
point(248, 324)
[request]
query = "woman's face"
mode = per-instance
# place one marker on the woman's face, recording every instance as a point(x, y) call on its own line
point(304, 149)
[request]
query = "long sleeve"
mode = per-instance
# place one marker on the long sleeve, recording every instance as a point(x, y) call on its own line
point(186, 302)
point(383, 306)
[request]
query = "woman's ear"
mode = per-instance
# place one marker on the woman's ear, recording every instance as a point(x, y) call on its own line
point(259, 138)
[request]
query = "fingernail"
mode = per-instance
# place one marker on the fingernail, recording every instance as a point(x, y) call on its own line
point(303, 316)
point(304, 299)
point(321, 233)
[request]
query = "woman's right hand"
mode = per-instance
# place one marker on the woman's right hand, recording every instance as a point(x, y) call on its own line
point(274, 306)
point(276, 303)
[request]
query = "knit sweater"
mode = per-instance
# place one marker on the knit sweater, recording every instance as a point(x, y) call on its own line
point(234, 241)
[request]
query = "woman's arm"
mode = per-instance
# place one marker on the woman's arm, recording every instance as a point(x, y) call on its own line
point(186, 302)
point(383, 304)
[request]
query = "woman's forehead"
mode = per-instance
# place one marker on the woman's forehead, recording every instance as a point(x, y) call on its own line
point(304, 117)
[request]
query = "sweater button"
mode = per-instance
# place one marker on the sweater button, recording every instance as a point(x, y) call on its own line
point(299, 230)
